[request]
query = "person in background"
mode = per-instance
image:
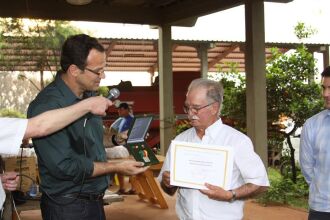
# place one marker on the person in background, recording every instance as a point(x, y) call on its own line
point(14, 130)
point(314, 156)
point(122, 125)
point(203, 104)
point(72, 162)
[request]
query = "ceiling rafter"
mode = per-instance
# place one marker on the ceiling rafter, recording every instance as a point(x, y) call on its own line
point(222, 55)
point(142, 55)
point(110, 48)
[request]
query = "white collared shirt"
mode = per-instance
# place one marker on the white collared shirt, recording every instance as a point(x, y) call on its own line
point(11, 135)
point(191, 204)
point(2, 196)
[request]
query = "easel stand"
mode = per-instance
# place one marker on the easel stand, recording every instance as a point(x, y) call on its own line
point(148, 189)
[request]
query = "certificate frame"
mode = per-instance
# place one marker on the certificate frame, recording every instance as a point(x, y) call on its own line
point(194, 164)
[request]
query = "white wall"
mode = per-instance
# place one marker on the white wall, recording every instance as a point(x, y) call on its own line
point(16, 94)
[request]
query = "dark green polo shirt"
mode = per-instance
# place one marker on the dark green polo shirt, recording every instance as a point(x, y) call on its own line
point(62, 159)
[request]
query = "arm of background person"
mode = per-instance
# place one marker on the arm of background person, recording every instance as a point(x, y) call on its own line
point(53, 120)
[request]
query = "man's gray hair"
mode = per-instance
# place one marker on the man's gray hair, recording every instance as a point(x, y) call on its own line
point(214, 89)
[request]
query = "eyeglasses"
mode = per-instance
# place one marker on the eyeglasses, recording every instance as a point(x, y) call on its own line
point(195, 110)
point(94, 71)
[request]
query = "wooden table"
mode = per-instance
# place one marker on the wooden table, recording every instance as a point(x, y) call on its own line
point(146, 185)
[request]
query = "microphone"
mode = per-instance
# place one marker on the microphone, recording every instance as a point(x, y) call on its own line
point(113, 94)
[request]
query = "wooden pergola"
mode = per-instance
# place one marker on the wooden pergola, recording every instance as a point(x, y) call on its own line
point(141, 55)
point(164, 14)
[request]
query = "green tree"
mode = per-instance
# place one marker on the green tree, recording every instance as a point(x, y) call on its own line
point(292, 95)
point(234, 101)
point(302, 31)
point(34, 46)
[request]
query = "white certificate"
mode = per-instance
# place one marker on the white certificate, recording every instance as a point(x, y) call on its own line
point(193, 165)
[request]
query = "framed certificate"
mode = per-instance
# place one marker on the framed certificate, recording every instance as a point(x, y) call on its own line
point(193, 165)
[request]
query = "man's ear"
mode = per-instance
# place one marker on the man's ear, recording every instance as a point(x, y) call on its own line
point(216, 109)
point(74, 70)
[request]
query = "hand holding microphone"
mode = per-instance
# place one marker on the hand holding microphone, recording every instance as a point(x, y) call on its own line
point(98, 105)
point(114, 94)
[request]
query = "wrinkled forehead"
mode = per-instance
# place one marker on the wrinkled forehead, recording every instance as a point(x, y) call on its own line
point(197, 94)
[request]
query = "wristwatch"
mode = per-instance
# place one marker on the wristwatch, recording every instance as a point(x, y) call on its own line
point(234, 195)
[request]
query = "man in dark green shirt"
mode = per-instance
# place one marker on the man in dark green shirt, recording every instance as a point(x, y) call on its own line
point(72, 162)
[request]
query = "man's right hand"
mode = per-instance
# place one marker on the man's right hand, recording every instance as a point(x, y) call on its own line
point(130, 167)
point(98, 105)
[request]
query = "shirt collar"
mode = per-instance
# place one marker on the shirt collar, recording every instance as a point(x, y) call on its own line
point(213, 129)
point(327, 112)
point(66, 92)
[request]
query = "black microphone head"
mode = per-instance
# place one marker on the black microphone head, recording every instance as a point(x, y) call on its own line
point(113, 93)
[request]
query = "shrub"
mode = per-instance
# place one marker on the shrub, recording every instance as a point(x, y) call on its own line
point(182, 126)
point(11, 113)
point(282, 190)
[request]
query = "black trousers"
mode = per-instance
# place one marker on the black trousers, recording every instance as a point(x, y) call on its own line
point(316, 215)
point(71, 209)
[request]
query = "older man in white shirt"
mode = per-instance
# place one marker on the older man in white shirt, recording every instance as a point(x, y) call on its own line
point(203, 104)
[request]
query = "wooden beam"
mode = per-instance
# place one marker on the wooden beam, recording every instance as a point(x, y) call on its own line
point(166, 113)
point(109, 48)
point(256, 102)
point(60, 10)
point(222, 55)
point(154, 67)
point(195, 8)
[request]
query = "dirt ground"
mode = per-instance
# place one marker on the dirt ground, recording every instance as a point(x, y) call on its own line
point(134, 209)
point(255, 211)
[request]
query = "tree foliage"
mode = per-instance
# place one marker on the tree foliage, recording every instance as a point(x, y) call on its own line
point(291, 90)
point(33, 44)
point(10, 113)
point(292, 95)
point(302, 31)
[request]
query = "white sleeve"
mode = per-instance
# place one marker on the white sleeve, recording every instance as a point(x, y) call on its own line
point(166, 164)
point(11, 135)
point(2, 195)
point(250, 165)
point(306, 159)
